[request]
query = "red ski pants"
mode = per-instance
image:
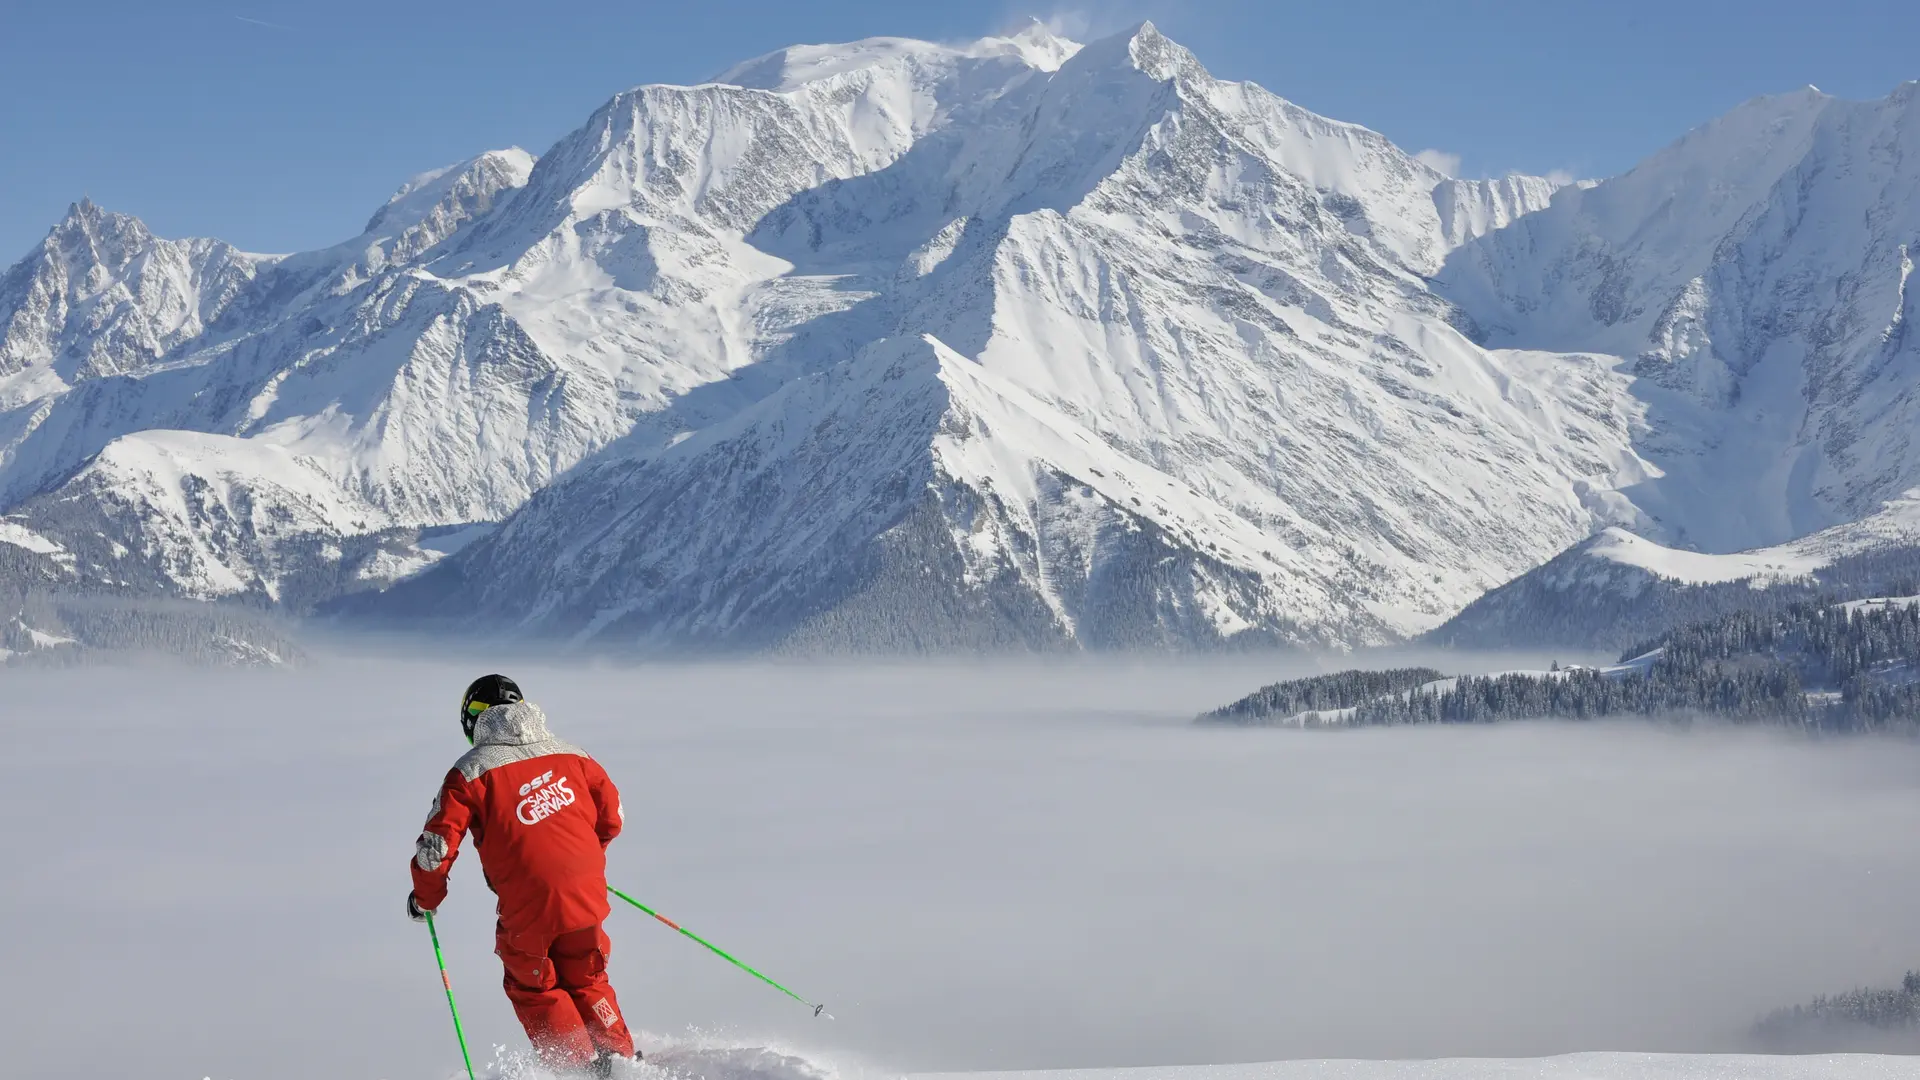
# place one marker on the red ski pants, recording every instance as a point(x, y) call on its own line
point(559, 990)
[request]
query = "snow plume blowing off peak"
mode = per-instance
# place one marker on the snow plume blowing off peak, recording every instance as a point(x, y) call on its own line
point(1181, 364)
point(1036, 44)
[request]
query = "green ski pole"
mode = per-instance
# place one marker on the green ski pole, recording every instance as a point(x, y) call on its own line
point(818, 1010)
point(448, 983)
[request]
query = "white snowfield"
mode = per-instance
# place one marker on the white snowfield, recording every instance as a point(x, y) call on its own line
point(1882, 603)
point(1599, 559)
point(1570, 1067)
point(1700, 568)
point(711, 1058)
point(702, 1060)
point(22, 537)
point(1179, 362)
point(214, 507)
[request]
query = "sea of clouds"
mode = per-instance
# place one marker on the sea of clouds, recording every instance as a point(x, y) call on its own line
point(975, 866)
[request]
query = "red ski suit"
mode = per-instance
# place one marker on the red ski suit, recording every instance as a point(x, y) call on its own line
point(542, 814)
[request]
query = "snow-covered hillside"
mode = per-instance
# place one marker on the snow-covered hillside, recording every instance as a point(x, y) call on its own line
point(1754, 275)
point(1470, 209)
point(1599, 1066)
point(1616, 587)
point(714, 1059)
point(1017, 343)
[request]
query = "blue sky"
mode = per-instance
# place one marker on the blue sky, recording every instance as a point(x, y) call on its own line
point(282, 126)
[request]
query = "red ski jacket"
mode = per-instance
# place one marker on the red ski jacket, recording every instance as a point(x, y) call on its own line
point(541, 813)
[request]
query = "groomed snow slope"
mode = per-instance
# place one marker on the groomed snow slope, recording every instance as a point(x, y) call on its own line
point(1897, 524)
point(1571, 1067)
point(1755, 277)
point(715, 1059)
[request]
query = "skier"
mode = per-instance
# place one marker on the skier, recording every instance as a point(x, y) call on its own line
point(542, 814)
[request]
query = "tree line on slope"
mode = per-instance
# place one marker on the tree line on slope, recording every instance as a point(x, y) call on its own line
point(77, 627)
point(1866, 1018)
point(1808, 665)
point(1321, 693)
point(1831, 644)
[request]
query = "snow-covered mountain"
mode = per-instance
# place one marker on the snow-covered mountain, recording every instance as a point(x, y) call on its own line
point(1470, 209)
point(1754, 278)
point(1117, 355)
point(102, 296)
point(1755, 275)
point(342, 393)
point(1012, 344)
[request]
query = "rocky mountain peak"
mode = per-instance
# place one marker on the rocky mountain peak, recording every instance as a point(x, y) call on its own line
point(91, 236)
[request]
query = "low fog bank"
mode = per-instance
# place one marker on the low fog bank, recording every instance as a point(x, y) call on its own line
point(331, 644)
point(976, 865)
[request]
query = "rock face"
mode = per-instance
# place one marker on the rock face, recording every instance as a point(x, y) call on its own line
point(1470, 209)
point(1754, 275)
point(899, 346)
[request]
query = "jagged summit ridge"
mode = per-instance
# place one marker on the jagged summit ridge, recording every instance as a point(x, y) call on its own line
point(102, 295)
point(1754, 276)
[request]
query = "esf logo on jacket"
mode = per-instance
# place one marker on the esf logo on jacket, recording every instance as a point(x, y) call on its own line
point(548, 797)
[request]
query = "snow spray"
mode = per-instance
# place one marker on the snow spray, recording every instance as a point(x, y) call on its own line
point(818, 1010)
point(448, 983)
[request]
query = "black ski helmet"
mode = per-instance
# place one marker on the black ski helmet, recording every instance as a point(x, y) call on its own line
point(486, 692)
